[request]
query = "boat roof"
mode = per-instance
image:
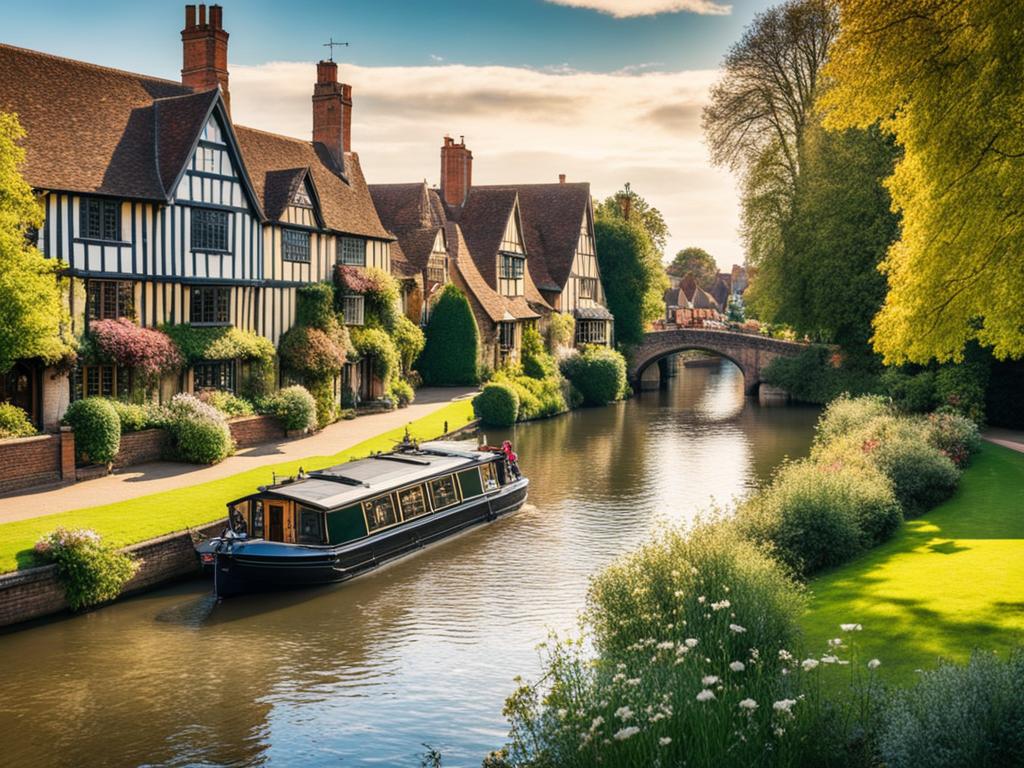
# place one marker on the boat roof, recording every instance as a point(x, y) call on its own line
point(354, 481)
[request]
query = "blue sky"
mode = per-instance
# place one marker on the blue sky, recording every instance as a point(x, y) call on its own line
point(536, 86)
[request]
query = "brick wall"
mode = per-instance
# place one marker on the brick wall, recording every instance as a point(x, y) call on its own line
point(140, 447)
point(37, 460)
point(35, 592)
point(252, 430)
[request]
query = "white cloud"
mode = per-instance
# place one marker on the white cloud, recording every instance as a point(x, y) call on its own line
point(622, 9)
point(523, 125)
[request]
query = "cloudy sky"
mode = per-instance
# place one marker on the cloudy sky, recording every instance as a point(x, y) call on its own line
point(607, 91)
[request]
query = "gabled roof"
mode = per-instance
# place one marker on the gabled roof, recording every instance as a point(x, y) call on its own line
point(704, 300)
point(280, 188)
point(721, 289)
point(345, 205)
point(408, 211)
point(552, 215)
point(497, 307)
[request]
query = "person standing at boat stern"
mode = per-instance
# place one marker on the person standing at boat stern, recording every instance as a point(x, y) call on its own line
point(511, 459)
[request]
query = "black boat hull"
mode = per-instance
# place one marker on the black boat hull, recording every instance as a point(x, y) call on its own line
point(258, 566)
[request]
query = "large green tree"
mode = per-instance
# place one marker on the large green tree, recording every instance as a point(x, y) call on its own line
point(634, 278)
point(626, 204)
point(452, 342)
point(944, 77)
point(696, 263)
point(33, 317)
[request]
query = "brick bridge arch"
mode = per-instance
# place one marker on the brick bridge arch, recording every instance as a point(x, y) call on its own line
point(750, 352)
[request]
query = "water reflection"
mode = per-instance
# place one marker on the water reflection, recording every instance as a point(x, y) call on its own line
point(423, 651)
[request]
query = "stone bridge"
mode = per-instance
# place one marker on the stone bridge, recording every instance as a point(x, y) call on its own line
point(750, 352)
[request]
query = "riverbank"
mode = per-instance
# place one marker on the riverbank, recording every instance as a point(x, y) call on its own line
point(948, 582)
point(188, 503)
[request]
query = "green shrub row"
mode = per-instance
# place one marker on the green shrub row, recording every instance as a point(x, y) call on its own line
point(597, 373)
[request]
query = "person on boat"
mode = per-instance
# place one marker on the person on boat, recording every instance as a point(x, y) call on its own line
point(511, 458)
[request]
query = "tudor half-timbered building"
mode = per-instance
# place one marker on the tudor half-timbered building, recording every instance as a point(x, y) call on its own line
point(166, 213)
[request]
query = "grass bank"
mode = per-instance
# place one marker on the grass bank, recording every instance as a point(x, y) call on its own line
point(949, 581)
point(146, 517)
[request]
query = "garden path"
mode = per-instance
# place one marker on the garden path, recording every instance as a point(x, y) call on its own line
point(144, 479)
point(1008, 438)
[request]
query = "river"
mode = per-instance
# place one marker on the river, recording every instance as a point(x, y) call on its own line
point(424, 651)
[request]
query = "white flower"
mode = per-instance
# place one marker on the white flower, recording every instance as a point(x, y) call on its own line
point(562, 713)
point(851, 627)
point(705, 695)
point(737, 628)
point(830, 659)
point(836, 642)
point(666, 645)
point(625, 733)
point(809, 664)
point(720, 605)
point(701, 599)
point(785, 655)
point(737, 666)
point(748, 704)
point(709, 680)
point(664, 741)
point(874, 664)
point(784, 705)
point(691, 642)
point(675, 574)
point(596, 723)
point(679, 593)
point(624, 713)
point(633, 681)
point(618, 677)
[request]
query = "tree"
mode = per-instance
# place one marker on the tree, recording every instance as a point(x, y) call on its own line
point(629, 206)
point(944, 78)
point(453, 342)
point(635, 280)
point(33, 317)
point(696, 263)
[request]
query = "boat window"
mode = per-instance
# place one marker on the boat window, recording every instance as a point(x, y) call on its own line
point(310, 530)
point(380, 513)
point(413, 502)
point(469, 481)
point(346, 524)
point(443, 492)
point(489, 476)
point(257, 520)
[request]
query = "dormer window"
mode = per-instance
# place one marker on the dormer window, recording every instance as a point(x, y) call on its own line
point(100, 219)
point(512, 266)
point(301, 198)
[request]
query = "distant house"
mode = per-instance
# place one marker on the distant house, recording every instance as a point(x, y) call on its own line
point(686, 303)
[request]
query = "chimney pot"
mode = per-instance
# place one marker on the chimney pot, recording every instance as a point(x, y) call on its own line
point(561, 178)
point(456, 171)
point(190, 16)
point(215, 16)
point(202, 15)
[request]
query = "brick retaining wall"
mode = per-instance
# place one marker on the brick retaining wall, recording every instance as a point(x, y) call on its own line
point(35, 592)
point(140, 447)
point(252, 430)
point(37, 460)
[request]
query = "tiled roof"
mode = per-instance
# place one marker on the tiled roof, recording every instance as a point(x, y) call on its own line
point(704, 300)
point(592, 313)
point(408, 212)
point(345, 204)
point(179, 122)
point(721, 289)
point(495, 306)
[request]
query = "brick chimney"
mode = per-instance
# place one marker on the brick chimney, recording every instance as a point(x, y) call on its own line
point(332, 112)
point(561, 178)
point(456, 171)
point(205, 51)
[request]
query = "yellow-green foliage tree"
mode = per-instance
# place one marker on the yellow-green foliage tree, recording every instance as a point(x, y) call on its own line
point(943, 76)
point(33, 319)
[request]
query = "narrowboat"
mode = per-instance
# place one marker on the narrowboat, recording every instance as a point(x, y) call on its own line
point(333, 524)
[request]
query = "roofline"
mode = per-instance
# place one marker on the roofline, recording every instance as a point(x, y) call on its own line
point(102, 67)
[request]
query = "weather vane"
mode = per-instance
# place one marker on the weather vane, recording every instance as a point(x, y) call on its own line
point(331, 44)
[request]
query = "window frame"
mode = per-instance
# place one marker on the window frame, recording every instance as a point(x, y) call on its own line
point(302, 510)
point(509, 327)
point(489, 477)
point(517, 262)
point(120, 381)
point(342, 258)
point(361, 301)
point(394, 509)
point(219, 292)
point(124, 294)
point(423, 493)
point(227, 371)
point(588, 288)
point(103, 206)
point(455, 486)
point(589, 337)
point(299, 251)
point(208, 228)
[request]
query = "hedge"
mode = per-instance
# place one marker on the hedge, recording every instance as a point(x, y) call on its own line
point(598, 373)
point(199, 431)
point(453, 342)
point(97, 429)
point(14, 422)
point(497, 405)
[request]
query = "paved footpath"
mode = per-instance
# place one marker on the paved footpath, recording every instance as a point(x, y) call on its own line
point(1008, 438)
point(144, 479)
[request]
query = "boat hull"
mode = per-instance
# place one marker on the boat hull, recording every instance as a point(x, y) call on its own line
point(260, 566)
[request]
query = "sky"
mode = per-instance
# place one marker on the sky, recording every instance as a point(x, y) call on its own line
point(605, 91)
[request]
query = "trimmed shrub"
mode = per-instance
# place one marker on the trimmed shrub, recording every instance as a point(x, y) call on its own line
point(294, 407)
point(922, 477)
point(227, 403)
point(14, 422)
point(90, 571)
point(311, 352)
point(449, 357)
point(97, 430)
point(597, 373)
point(199, 432)
point(497, 405)
point(537, 363)
point(409, 341)
point(955, 436)
point(910, 393)
point(538, 398)
point(401, 392)
point(846, 414)
point(957, 716)
point(814, 517)
point(326, 405)
point(220, 343)
point(132, 417)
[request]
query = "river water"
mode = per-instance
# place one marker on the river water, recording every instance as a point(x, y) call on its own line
point(422, 652)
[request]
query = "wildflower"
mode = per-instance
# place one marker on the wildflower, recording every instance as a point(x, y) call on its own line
point(666, 645)
point(675, 574)
point(748, 704)
point(624, 713)
point(596, 723)
point(709, 680)
point(679, 593)
point(618, 677)
point(720, 605)
point(784, 705)
point(779, 730)
point(785, 655)
point(851, 627)
point(693, 570)
point(701, 599)
point(633, 681)
point(705, 695)
point(874, 664)
point(625, 733)
point(737, 628)
point(562, 714)
point(691, 642)
point(656, 717)
point(737, 666)
point(830, 659)
point(835, 643)
point(809, 664)
point(664, 741)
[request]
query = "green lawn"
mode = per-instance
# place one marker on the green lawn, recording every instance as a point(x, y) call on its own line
point(128, 522)
point(948, 582)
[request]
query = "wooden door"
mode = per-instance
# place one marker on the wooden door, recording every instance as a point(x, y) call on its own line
point(275, 522)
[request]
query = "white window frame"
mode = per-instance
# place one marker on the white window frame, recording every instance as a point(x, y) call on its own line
point(357, 304)
point(346, 251)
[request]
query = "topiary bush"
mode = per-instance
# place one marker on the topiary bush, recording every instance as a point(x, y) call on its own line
point(90, 571)
point(14, 422)
point(536, 361)
point(597, 373)
point(326, 405)
point(97, 430)
point(294, 407)
point(497, 405)
point(449, 357)
point(228, 404)
point(199, 432)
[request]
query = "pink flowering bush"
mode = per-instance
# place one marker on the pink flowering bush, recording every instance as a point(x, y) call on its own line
point(148, 351)
point(90, 571)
